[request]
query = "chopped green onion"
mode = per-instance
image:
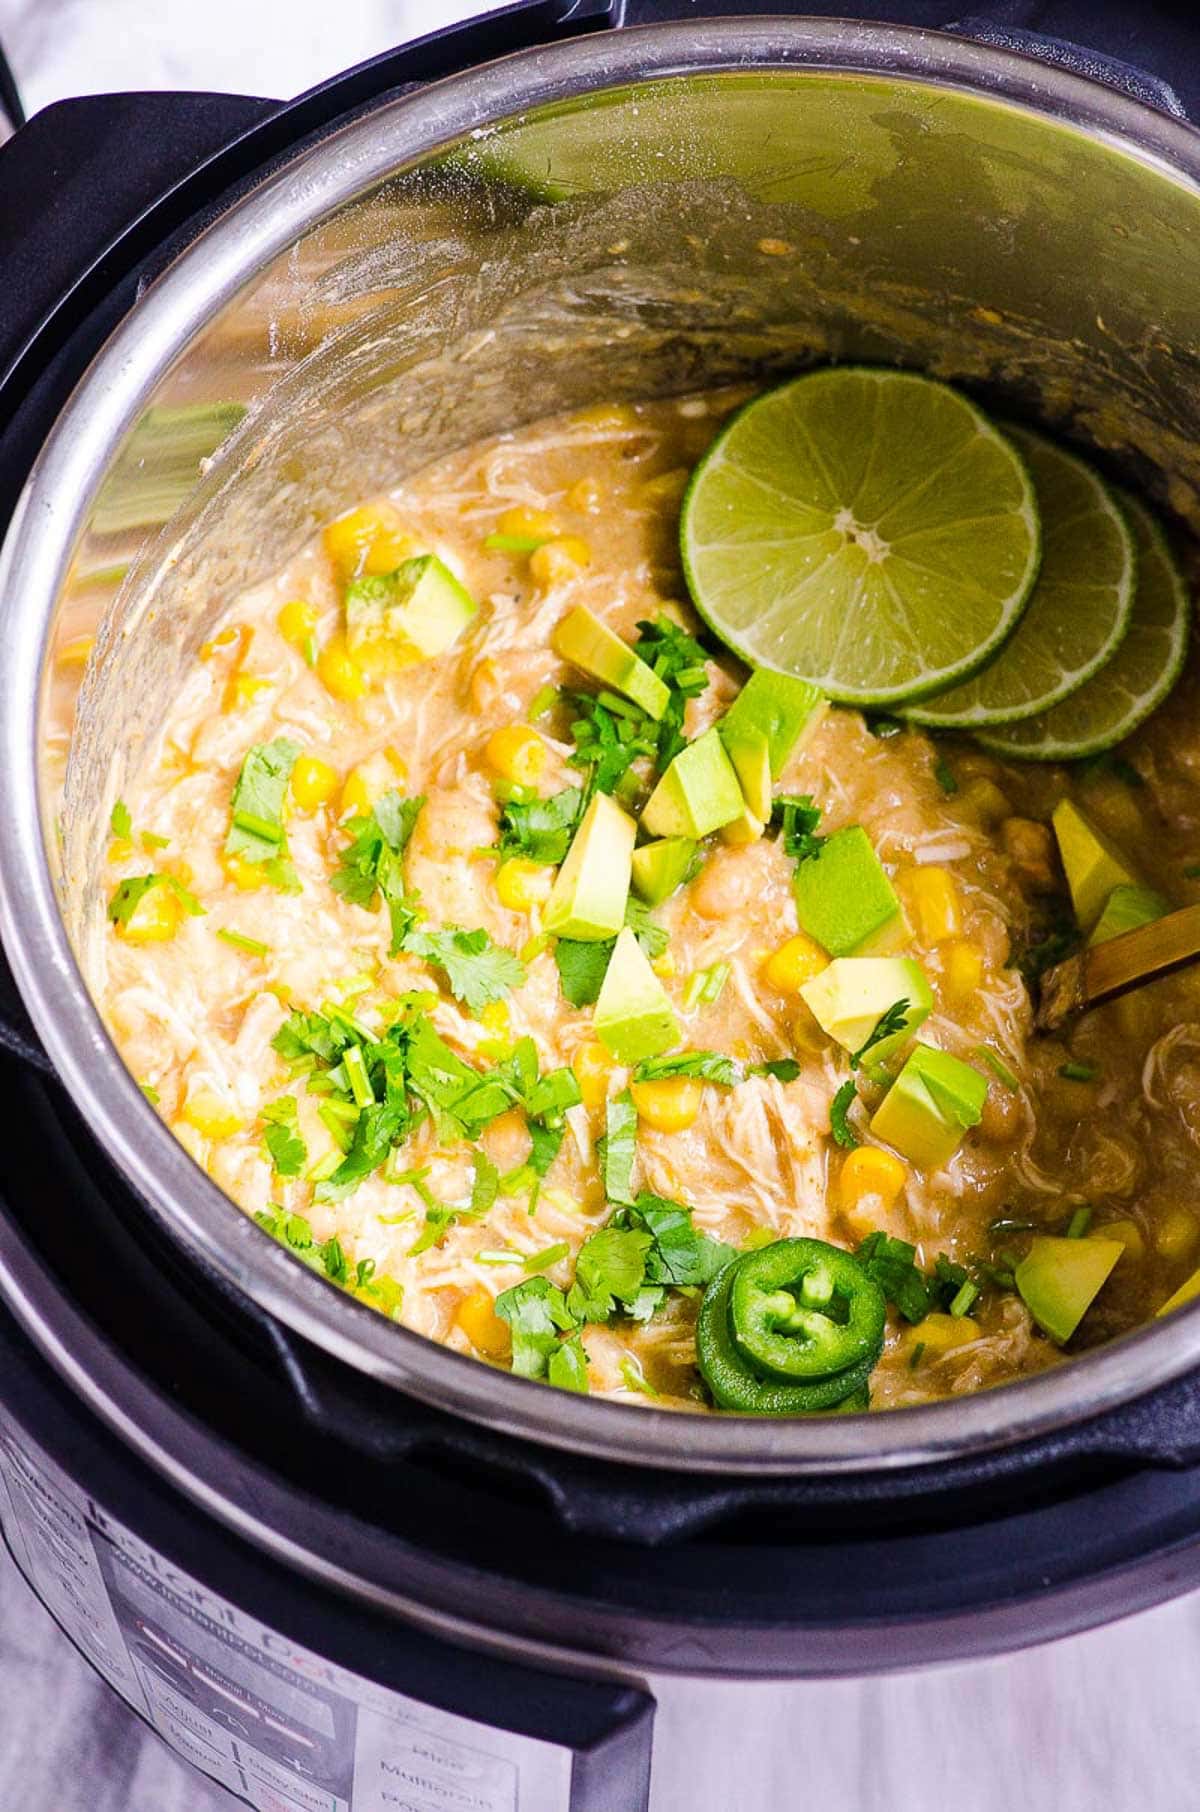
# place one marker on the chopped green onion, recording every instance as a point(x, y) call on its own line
point(635, 1378)
point(486, 1256)
point(714, 980)
point(309, 650)
point(944, 775)
point(336, 1128)
point(1011, 1223)
point(356, 1073)
point(255, 826)
point(1078, 1071)
point(918, 1353)
point(694, 988)
point(151, 1093)
point(323, 1169)
point(997, 1065)
point(515, 544)
point(1079, 1222)
point(240, 941)
point(541, 702)
point(550, 1255)
point(534, 946)
point(964, 1298)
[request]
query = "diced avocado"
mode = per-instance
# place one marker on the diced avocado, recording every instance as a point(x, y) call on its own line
point(591, 889)
point(632, 1016)
point(395, 618)
point(659, 868)
point(929, 1107)
point(1091, 861)
point(593, 647)
point(1187, 1292)
point(698, 793)
point(845, 901)
point(745, 828)
point(1059, 1279)
point(850, 997)
point(1125, 909)
point(775, 709)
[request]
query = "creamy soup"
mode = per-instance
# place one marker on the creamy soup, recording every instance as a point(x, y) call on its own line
point(330, 968)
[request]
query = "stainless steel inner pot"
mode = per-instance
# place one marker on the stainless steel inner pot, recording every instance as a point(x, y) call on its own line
point(556, 227)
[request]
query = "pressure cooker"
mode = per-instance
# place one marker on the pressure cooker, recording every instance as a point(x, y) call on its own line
point(333, 1564)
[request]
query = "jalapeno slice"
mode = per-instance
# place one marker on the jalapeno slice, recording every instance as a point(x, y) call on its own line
point(738, 1380)
point(804, 1309)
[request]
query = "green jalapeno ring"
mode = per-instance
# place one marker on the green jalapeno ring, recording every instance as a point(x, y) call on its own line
point(735, 1385)
point(780, 1310)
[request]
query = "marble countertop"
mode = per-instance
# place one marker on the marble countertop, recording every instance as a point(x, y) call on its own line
point(1103, 1723)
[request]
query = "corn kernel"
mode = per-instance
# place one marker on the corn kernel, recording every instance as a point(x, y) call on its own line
point(247, 876)
point(313, 782)
point(933, 894)
point(1177, 1234)
point(592, 1067)
point(962, 971)
point(339, 672)
point(794, 963)
point(607, 415)
point(986, 799)
point(155, 918)
point(664, 966)
point(870, 1171)
point(368, 540)
point(1130, 1236)
point(941, 1333)
point(522, 884)
point(526, 522)
point(243, 689)
point(477, 1318)
point(669, 1104)
point(495, 1017)
point(557, 562)
point(517, 753)
point(211, 1115)
point(226, 638)
point(396, 762)
point(355, 800)
point(585, 495)
point(120, 849)
point(667, 487)
point(485, 684)
point(296, 621)
point(76, 652)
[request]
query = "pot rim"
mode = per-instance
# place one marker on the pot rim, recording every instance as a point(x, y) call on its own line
point(54, 505)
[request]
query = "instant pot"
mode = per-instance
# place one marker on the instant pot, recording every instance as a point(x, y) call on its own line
point(339, 1568)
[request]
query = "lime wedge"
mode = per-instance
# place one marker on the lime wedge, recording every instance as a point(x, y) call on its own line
point(1136, 679)
point(1078, 610)
point(869, 531)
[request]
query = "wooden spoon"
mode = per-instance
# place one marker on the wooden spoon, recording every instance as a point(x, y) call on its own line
point(1117, 965)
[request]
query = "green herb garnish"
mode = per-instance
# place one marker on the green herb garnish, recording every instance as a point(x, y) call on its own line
point(130, 892)
point(892, 1020)
point(617, 1150)
point(839, 1108)
point(240, 941)
point(796, 818)
point(1078, 1071)
point(708, 1066)
point(541, 829)
point(121, 820)
point(477, 971)
point(256, 830)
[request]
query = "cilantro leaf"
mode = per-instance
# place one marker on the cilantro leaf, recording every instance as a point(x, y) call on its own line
point(653, 938)
point(256, 831)
point(372, 863)
point(610, 735)
point(581, 969)
point(839, 1107)
point(131, 892)
point(378, 1127)
point(121, 820)
point(304, 1035)
point(541, 829)
point(610, 1268)
point(892, 1020)
point(617, 1149)
point(486, 1185)
point(679, 660)
point(709, 1066)
point(680, 1256)
point(285, 1147)
point(477, 971)
point(567, 1367)
point(796, 818)
point(783, 1069)
point(536, 1312)
point(891, 1263)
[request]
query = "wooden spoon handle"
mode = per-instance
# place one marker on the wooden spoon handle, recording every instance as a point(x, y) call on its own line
point(1117, 965)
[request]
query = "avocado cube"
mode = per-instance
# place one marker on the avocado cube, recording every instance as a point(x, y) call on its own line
point(850, 997)
point(1125, 909)
point(1091, 861)
point(845, 901)
point(745, 828)
point(591, 889)
point(775, 711)
point(632, 1016)
point(698, 793)
point(594, 648)
point(1059, 1279)
point(1187, 1292)
point(394, 619)
point(660, 867)
point(929, 1107)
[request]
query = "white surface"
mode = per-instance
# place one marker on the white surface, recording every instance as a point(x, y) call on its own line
point(1105, 1723)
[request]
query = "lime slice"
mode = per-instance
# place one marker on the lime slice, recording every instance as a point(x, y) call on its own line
point(1135, 681)
point(870, 531)
point(1078, 610)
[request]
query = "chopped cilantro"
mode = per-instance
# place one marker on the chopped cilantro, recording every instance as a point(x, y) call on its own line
point(998, 1067)
point(1048, 945)
point(256, 831)
point(285, 1147)
point(783, 1069)
point(486, 1184)
point(121, 821)
point(567, 1367)
point(372, 863)
point(537, 1313)
point(892, 1264)
point(796, 818)
point(679, 1255)
point(618, 1148)
point(892, 1020)
point(541, 829)
point(610, 735)
point(708, 1066)
point(943, 773)
point(477, 971)
point(680, 661)
point(610, 1269)
point(581, 969)
point(131, 892)
point(839, 1108)
point(653, 938)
